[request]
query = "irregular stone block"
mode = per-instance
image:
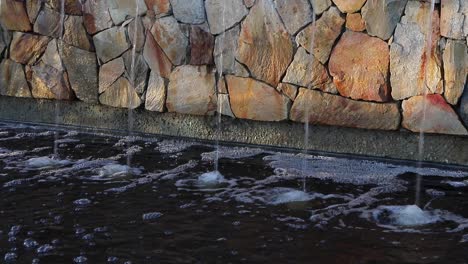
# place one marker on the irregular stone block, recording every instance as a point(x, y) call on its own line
point(359, 66)
point(324, 31)
point(75, 34)
point(192, 91)
point(169, 36)
point(264, 44)
point(12, 80)
point(109, 73)
point(382, 16)
point(71, 7)
point(349, 6)
point(48, 23)
point(96, 16)
point(223, 14)
point(136, 34)
point(326, 109)
point(201, 46)
point(439, 117)
point(121, 94)
point(51, 56)
point(50, 83)
point(249, 3)
point(288, 89)
point(136, 70)
point(159, 7)
point(121, 9)
point(355, 22)
point(189, 11)
point(224, 106)
point(251, 99)
point(27, 48)
point(454, 19)
point(156, 93)
point(464, 107)
point(82, 71)
point(455, 70)
point(320, 6)
point(33, 7)
point(13, 15)
point(111, 43)
point(294, 13)
point(413, 72)
point(225, 51)
point(157, 60)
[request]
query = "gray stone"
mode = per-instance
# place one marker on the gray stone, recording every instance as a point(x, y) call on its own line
point(294, 13)
point(454, 19)
point(111, 43)
point(136, 70)
point(464, 107)
point(26, 48)
point(455, 70)
point(121, 9)
point(324, 32)
point(224, 106)
point(51, 56)
point(109, 73)
point(96, 16)
point(48, 23)
point(170, 37)
point(320, 6)
point(382, 16)
point(33, 7)
point(121, 94)
point(201, 45)
point(136, 34)
point(156, 93)
point(50, 83)
point(75, 34)
point(156, 58)
point(224, 14)
point(192, 91)
point(12, 80)
point(225, 51)
point(189, 11)
point(82, 71)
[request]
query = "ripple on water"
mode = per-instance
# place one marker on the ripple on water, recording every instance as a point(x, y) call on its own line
point(45, 162)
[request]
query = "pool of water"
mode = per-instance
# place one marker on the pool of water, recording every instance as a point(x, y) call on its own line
point(111, 199)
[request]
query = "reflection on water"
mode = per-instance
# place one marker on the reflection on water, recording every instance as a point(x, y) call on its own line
point(86, 205)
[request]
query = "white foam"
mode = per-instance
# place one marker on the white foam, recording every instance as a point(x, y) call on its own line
point(406, 215)
point(286, 195)
point(117, 170)
point(211, 178)
point(168, 146)
point(457, 184)
point(45, 162)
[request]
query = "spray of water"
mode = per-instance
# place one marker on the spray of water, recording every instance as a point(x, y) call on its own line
point(421, 131)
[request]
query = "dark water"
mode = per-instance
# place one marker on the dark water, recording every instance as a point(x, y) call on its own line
point(87, 205)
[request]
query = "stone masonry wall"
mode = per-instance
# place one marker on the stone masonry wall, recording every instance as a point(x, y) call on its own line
point(354, 63)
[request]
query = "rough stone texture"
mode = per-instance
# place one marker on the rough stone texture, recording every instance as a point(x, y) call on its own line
point(137, 37)
point(75, 34)
point(136, 70)
point(412, 73)
point(464, 107)
point(359, 66)
point(121, 9)
point(82, 71)
point(189, 11)
point(51, 56)
point(159, 7)
point(223, 14)
point(50, 83)
point(48, 23)
point(12, 80)
point(96, 16)
point(334, 110)
point(156, 58)
point(221, 85)
point(111, 43)
point(192, 91)
point(264, 44)
point(71, 7)
point(355, 22)
point(455, 70)
point(439, 117)
point(169, 36)
point(454, 19)
point(320, 6)
point(225, 51)
point(349, 6)
point(251, 99)
point(33, 7)
point(224, 106)
point(201, 45)
point(382, 16)
point(3, 41)
point(27, 48)
point(249, 3)
point(306, 71)
point(294, 13)
point(121, 94)
point(13, 15)
point(324, 31)
point(109, 73)
point(156, 93)
point(288, 89)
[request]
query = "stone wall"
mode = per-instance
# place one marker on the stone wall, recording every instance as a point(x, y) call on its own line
point(353, 63)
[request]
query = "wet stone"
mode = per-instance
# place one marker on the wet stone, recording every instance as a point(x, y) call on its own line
point(136, 70)
point(109, 73)
point(27, 48)
point(50, 83)
point(48, 23)
point(169, 35)
point(155, 57)
point(455, 58)
point(201, 46)
point(156, 93)
point(13, 80)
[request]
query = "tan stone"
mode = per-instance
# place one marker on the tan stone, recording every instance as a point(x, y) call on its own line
point(431, 114)
point(264, 44)
point(191, 90)
point(455, 70)
point(288, 89)
point(75, 34)
point(96, 16)
point(201, 46)
point(71, 7)
point(111, 43)
point(294, 13)
point(13, 15)
point(50, 83)
point(326, 109)
point(51, 56)
point(359, 66)
point(221, 86)
point(349, 6)
point(224, 14)
point(121, 94)
point(454, 19)
point(156, 58)
point(168, 34)
point(324, 32)
point(320, 6)
point(156, 93)
point(12, 80)
point(251, 99)
point(109, 73)
point(33, 7)
point(27, 48)
point(355, 22)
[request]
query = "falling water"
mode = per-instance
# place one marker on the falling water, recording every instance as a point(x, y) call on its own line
point(306, 110)
point(130, 119)
point(219, 103)
point(421, 131)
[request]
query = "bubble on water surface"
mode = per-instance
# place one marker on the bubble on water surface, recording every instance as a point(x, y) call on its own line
point(80, 259)
point(211, 178)
point(117, 170)
point(30, 243)
point(151, 216)
point(45, 249)
point(10, 257)
point(82, 202)
point(457, 184)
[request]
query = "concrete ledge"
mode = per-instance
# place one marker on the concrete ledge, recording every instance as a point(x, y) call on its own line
point(383, 144)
